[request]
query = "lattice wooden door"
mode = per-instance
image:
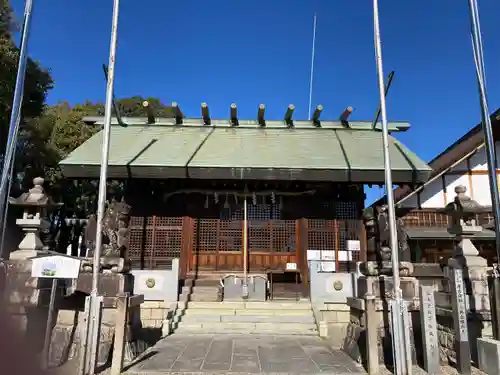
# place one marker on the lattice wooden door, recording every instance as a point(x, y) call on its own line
point(217, 245)
point(155, 241)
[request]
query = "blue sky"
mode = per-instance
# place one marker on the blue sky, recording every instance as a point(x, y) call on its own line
point(252, 52)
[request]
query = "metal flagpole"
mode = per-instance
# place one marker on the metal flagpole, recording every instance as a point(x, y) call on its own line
point(312, 69)
point(477, 47)
point(398, 338)
point(15, 118)
point(95, 301)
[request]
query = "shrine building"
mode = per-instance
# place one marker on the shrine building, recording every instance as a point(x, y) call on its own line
point(187, 179)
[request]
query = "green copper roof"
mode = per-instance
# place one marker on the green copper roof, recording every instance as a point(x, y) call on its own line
point(246, 152)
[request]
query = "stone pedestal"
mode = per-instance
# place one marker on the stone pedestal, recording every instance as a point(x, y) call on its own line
point(31, 245)
point(382, 286)
point(489, 356)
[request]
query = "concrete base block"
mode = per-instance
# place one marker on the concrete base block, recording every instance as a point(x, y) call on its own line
point(489, 355)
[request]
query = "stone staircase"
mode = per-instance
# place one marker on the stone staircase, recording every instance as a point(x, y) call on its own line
point(201, 290)
point(262, 318)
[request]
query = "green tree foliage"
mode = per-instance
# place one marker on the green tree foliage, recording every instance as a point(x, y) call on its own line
point(132, 107)
point(38, 80)
point(49, 133)
point(49, 138)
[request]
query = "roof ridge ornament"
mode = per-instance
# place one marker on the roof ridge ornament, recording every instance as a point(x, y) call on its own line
point(205, 114)
point(177, 113)
point(233, 115)
point(260, 115)
point(344, 116)
point(289, 115)
point(316, 115)
point(149, 112)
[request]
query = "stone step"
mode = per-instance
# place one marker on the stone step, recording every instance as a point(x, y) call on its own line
point(189, 298)
point(214, 294)
point(270, 305)
point(259, 312)
point(207, 280)
point(201, 288)
point(244, 318)
point(198, 293)
point(252, 328)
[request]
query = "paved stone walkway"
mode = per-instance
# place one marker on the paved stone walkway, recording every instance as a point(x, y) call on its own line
point(225, 354)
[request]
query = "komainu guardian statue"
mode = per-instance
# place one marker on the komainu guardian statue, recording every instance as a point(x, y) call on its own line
point(115, 233)
point(378, 235)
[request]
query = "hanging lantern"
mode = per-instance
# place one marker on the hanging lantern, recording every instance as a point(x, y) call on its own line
point(254, 199)
point(216, 198)
point(206, 201)
point(226, 203)
point(273, 198)
point(281, 203)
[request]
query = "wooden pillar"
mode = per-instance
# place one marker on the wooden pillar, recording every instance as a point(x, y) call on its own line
point(186, 246)
point(153, 244)
point(301, 253)
point(336, 228)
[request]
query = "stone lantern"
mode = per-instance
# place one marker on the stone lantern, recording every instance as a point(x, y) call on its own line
point(463, 225)
point(35, 204)
point(462, 212)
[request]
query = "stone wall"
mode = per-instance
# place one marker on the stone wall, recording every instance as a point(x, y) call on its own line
point(146, 326)
point(332, 320)
point(67, 335)
point(478, 324)
point(154, 314)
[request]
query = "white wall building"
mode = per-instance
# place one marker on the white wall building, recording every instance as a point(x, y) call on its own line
point(471, 173)
point(463, 163)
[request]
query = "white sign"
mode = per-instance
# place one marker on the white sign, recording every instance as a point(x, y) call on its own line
point(56, 267)
point(313, 254)
point(329, 257)
point(291, 266)
point(345, 256)
point(353, 245)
